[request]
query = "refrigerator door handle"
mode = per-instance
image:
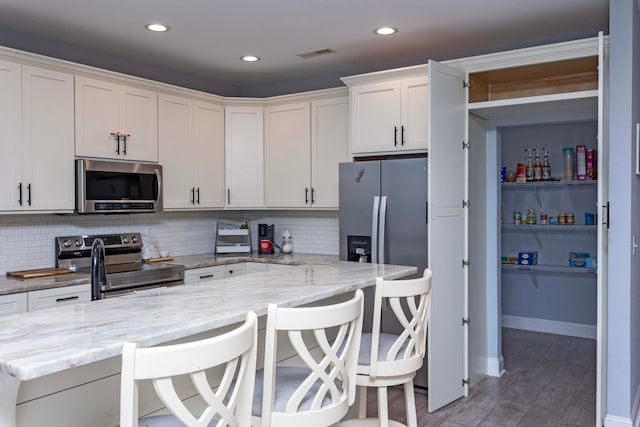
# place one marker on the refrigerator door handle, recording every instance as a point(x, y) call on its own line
point(374, 230)
point(383, 215)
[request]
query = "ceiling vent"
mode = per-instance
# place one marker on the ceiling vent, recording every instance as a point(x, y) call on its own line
point(315, 53)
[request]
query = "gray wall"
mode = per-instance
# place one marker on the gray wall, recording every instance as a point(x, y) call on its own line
point(624, 186)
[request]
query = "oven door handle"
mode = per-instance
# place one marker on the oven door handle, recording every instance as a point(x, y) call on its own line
point(159, 178)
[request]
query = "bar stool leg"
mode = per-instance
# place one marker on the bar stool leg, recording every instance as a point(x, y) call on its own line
point(383, 407)
point(362, 402)
point(410, 404)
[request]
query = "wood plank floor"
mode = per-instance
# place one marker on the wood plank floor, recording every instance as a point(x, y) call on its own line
point(550, 380)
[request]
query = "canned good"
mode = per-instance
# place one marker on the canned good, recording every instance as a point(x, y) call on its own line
point(562, 219)
point(531, 217)
point(570, 219)
point(544, 219)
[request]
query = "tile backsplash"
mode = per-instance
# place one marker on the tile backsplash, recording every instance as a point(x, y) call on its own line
point(27, 241)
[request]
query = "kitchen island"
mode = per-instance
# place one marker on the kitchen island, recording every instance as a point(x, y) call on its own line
point(64, 362)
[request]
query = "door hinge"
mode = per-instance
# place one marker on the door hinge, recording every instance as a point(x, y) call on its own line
point(465, 381)
point(466, 321)
point(466, 145)
point(466, 263)
point(466, 85)
point(466, 204)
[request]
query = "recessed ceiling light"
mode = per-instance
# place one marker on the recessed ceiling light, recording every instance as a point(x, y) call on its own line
point(159, 28)
point(250, 58)
point(385, 31)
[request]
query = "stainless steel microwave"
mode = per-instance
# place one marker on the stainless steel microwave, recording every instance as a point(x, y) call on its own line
point(118, 187)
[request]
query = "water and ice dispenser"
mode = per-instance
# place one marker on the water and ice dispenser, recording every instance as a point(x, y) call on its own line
point(359, 248)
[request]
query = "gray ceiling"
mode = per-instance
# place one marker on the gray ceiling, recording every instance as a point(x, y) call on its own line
point(207, 37)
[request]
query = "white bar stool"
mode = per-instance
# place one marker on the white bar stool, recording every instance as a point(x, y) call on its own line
point(230, 405)
point(389, 360)
point(318, 389)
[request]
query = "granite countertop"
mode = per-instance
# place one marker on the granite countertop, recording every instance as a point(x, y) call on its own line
point(51, 340)
point(10, 285)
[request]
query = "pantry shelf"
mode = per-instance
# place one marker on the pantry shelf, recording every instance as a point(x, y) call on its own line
point(540, 228)
point(528, 186)
point(547, 269)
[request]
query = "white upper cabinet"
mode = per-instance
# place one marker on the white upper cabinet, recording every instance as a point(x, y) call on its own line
point(389, 116)
point(115, 121)
point(244, 155)
point(304, 143)
point(287, 155)
point(329, 147)
point(36, 115)
point(191, 151)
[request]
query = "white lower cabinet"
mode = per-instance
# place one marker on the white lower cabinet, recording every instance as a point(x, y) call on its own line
point(199, 275)
point(13, 304)
point(56, 297)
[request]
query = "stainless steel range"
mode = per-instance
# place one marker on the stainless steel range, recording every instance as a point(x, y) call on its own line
point(125, 270)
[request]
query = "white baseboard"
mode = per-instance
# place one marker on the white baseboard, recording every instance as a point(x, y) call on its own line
point(495, 366)
point(580, 330)
point(614, 421)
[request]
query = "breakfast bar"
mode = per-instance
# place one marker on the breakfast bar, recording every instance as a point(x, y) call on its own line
point(47, 344)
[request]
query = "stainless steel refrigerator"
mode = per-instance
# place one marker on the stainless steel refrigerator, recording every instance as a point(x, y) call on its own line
point(383, 219)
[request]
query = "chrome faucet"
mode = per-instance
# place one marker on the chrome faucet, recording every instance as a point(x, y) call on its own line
point(98, 269)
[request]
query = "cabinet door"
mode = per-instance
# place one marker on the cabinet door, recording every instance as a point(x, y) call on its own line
point(375, 117)
point(329, 147)
point(200, 275)
point(415, 114)
point(13, 304)
point(47, 140)
point(209, 140)
point(97, 115)
point(176, 151)
point(11, 125)
point(448, 239)
point(46, 298)
point(139, 120)
point(287, 156)
point(244, 157)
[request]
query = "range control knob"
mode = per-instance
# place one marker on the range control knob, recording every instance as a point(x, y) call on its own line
point(78, 243)
point(66, 243)
point(134, 239)
point(125, 240)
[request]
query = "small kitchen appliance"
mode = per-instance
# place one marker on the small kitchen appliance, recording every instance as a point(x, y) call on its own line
point(265, 239)
point(125, 271)
point(118, 187)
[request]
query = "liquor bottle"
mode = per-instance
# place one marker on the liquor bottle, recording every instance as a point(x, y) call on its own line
point(546, 167)
point(529, 165)
point(537, 167)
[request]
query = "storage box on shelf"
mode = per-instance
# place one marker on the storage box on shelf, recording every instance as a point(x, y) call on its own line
point(233, 236)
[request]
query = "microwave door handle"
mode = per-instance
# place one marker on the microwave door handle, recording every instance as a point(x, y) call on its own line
point(159, 178)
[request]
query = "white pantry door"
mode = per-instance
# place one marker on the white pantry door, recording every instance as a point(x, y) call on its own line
point(447, 344)
point(603, 234)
